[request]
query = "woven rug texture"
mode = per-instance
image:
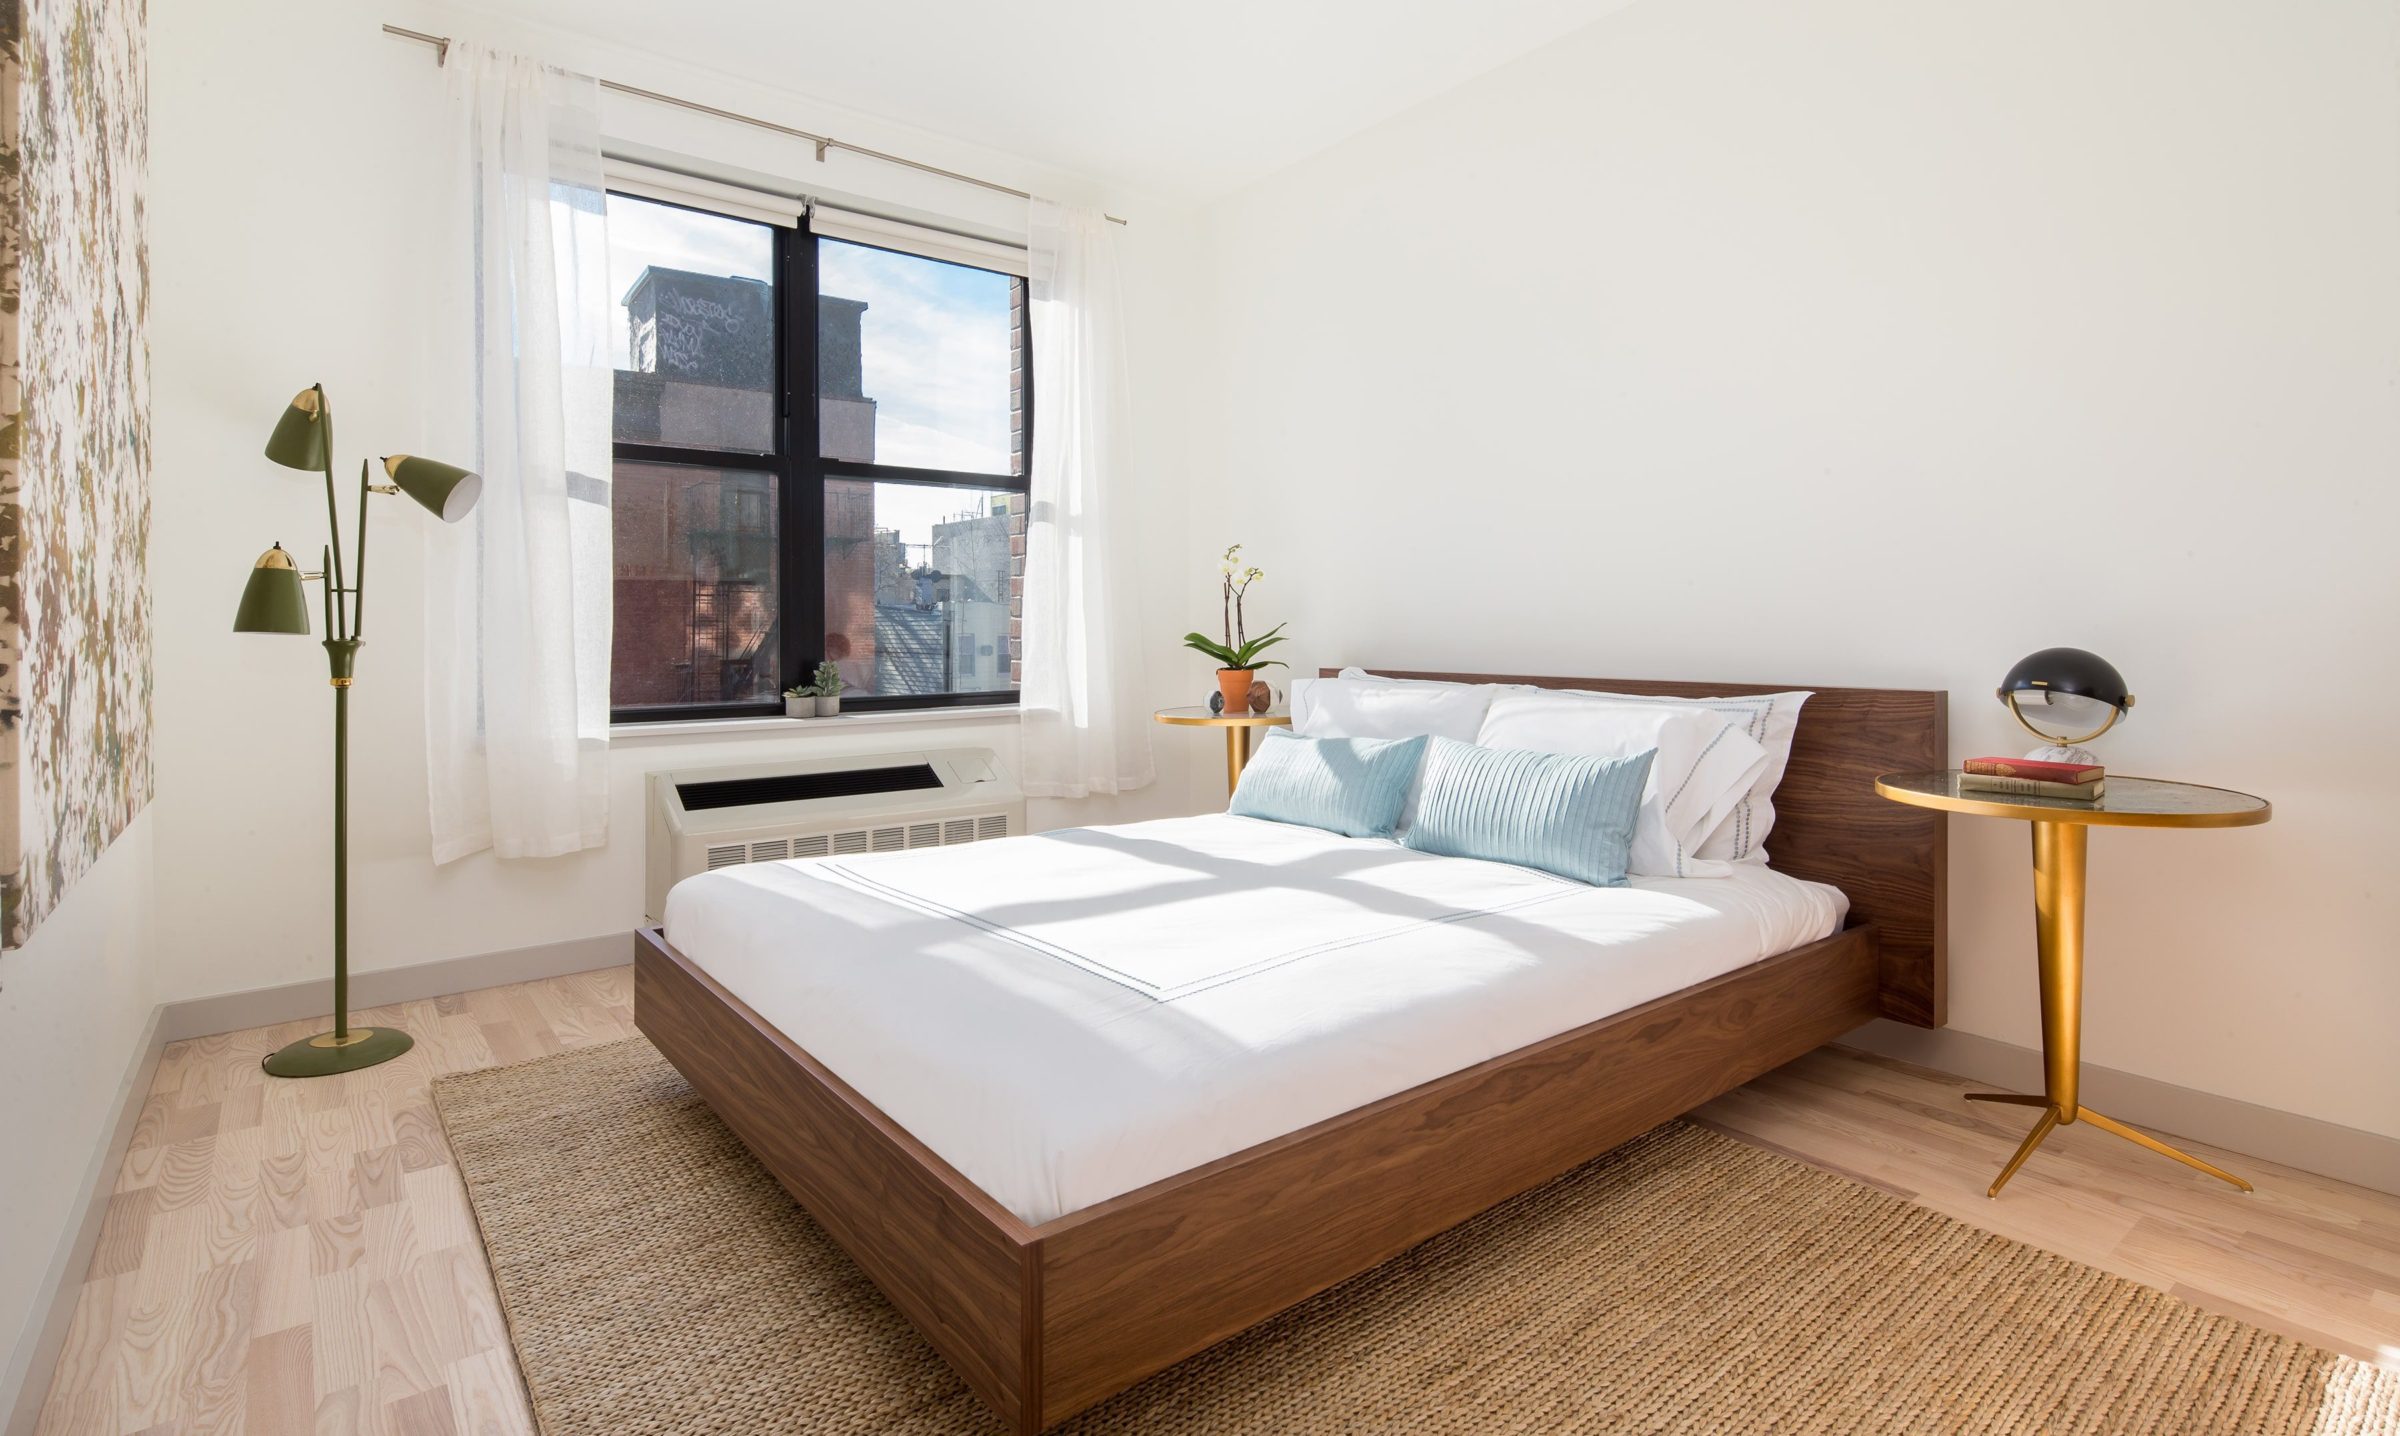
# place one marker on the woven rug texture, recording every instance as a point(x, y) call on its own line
point(657, 1280)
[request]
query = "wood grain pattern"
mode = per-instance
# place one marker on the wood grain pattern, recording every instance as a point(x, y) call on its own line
point(1045, 1321)
point(1830, 826)
point(952, 1259)
point(283, 1257)
point(2306, 1256)
point(1134, 1284)
point(1043, 1324)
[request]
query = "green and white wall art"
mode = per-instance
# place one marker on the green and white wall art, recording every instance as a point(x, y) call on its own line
point(75, 679)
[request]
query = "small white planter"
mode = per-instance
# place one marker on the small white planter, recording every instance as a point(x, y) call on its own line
point(802, 705)
point(828, 704)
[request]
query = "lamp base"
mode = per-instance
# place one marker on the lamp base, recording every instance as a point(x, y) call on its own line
point(324, 1054)
point(2063, 753)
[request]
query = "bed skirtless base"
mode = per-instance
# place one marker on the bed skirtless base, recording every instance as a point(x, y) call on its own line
point(1045, 1321)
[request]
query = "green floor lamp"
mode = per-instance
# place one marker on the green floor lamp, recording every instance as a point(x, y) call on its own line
point(274, 602)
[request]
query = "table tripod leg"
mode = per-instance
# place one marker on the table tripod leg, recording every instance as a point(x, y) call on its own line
point(2032, 1140)
point(2144, 1139)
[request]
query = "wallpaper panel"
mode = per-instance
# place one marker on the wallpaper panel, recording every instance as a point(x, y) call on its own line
point(75, 680)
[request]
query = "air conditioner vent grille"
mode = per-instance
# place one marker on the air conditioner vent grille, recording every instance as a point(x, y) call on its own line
point(838, 807)
point(799, 787)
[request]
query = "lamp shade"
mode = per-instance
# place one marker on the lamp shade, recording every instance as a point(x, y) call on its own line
point(299, 438)
point(447, 491)
point(2069, 685)
point(273, 601)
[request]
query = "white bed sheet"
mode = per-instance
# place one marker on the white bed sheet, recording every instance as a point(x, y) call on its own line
point(955, 1006)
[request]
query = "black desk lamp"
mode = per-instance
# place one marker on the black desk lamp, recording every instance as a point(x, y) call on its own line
point(2072, 690)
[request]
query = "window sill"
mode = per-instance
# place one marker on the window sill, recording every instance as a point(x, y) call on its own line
point(801, 727)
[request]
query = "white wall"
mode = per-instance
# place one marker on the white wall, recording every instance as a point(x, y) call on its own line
point(74, 1002)
point(288, 149)
point(1693, 345)
point(1702, 342)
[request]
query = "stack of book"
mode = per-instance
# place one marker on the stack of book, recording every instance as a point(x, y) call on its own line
point(2026, 778)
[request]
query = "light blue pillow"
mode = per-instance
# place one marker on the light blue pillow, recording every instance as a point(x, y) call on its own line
point(1352, 786)
point(1563, 813)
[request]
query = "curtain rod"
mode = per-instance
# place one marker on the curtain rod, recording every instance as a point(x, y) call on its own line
point(441, 52)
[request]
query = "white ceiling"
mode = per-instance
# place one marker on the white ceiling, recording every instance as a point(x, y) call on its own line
point(1188, 99)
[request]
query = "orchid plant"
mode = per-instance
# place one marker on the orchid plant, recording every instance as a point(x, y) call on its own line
point(1239, 650)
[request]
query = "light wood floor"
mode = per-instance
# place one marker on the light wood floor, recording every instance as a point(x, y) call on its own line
point(299, 1256)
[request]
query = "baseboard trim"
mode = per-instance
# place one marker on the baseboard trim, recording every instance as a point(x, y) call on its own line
point(291, 1002)
point(30, 1366)
point(36, 1356)
point(2365, 1159)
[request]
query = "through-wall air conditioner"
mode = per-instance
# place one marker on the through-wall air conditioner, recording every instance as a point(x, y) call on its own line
point(707, 818)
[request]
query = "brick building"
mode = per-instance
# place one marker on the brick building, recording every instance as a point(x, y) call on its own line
point(697, 589)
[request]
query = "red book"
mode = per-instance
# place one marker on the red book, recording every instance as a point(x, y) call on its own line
point(2040, 772)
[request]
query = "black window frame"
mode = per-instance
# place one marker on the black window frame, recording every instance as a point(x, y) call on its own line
point(801, 473)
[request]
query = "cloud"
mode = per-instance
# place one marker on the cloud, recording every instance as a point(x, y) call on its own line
point(934, 339)
point(935, 351)
point(642, 234)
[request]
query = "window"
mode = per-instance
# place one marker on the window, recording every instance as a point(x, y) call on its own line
point(881, 526)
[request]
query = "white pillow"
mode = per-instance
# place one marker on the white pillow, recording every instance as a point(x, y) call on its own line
point(1770, 719)
point(1705, 765)
point(1348, 707)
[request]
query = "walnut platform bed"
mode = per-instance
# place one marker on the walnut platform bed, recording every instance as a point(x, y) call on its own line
point(1044, 1321)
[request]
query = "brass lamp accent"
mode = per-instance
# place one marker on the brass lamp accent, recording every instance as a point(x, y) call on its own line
point(447, 491)
point(274, 601)
point(303, 437)
point(2086, 679)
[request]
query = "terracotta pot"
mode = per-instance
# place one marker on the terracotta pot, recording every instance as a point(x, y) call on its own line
point(1234, 685)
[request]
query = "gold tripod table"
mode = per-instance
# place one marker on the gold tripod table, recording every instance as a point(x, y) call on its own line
point(2061, 828)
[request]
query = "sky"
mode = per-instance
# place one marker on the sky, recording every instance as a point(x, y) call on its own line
point(934, 342)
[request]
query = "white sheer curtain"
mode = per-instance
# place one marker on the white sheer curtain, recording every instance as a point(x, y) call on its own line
point(517, 597)
point(1084, 731)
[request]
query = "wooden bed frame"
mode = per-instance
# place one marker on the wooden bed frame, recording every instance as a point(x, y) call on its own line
point(1045, 1321)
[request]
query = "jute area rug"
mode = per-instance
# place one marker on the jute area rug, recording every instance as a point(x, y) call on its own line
point(656, 1279)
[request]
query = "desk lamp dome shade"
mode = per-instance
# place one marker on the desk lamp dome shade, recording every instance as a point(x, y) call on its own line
point(273, 601)
point(446, 491)
point(2066, 697)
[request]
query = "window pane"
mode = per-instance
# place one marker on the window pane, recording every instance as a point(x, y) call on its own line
point(695, 327)
point(923, 587)
point(696, 587)
point(919, 362)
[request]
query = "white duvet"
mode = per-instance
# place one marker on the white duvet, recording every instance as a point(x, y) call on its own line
point(1068, 1016)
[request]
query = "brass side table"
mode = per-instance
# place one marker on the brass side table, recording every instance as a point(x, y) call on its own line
point(2060, 829)
point(1238, 730)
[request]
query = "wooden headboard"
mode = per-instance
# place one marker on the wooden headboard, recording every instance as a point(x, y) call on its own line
point(1829, 825)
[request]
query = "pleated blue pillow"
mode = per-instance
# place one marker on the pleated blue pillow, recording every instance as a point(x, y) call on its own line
point(1567, 814)
point(1352, 786)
